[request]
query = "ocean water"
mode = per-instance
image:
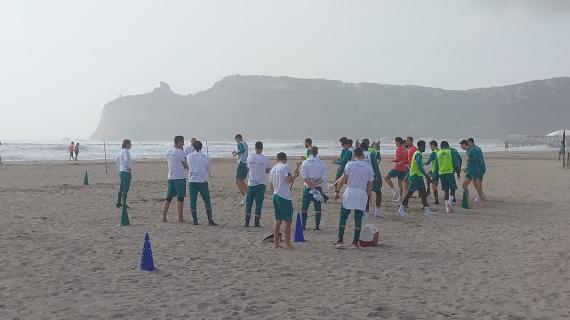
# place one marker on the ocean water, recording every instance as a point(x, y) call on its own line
point(95, 150)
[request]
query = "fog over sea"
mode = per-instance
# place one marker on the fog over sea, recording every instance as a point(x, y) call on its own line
point(94, 150)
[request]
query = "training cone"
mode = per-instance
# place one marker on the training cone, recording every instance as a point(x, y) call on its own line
point(124, 217)
point(85, 179)
point(298, 236)
point(465, 201)
point(147, 263)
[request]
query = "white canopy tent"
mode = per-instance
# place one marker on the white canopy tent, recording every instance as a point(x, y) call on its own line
point(558, 133)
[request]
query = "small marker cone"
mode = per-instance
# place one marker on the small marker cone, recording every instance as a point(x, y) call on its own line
point(298, 236)
point(465, 201)
point(124, 217)
point(85, 179)
point(147, 263)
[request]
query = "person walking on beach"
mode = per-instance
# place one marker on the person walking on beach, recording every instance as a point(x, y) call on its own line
point(258, 166)
point(198, 165)
point(457, 163)
point(444, 166)
point(432, 160)
point(359, 178)
point(482, 170)
point(374, 159)
point(345, 157)
point(176, 159)
point(76, 151)
point(281, 180)
point(241, 173)
point(411, 149)
point(473, 170)
point(314, 173)
point(399, 171)
point(562, 151)
point(416, 181)
point(124, 167)
point(70, 149)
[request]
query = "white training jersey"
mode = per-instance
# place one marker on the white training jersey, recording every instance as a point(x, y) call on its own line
point(359, 173)
point(198, 164)
point(124, 161)
point(313, 169)
point(278, 177)
point(258, 165)
point(175, 158)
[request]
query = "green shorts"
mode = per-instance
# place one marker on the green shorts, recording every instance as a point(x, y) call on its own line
point(401, 175)
point(283, 209)
point(473, 174)
point(434, 177)
point(125, 181)
point(176, 188)
point(416, 183)
point(448, 182)
point(241, 172)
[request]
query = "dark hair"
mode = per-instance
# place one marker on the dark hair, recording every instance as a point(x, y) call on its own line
point(343, 140)
point(350, 142)
point(358, 152)
point(366, 140)
point(399, 140)
point(178, 139)
point(421, 144)
point(364, 144)
point(72, 142)
point(308, 141)
point(281, 156)
point(433, 143)
point(471, 140)
point(197, 145)
point(238, 136)
point(125, 143)
point(463, 142)
point(411, 139)
point(259, 145)
point(314, 150)
point(444, 144)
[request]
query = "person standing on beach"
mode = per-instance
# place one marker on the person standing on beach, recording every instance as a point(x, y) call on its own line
point(345, 157)
point(473, 170)
point(189, 149)
point(358, 178)
point(281, 180)
point(198, 164)
point(258, 166)
point(444, 166)
point(482, 169)
point(70, 149)
point(76, 151)
point(241, 173)
point(314, 173)
point(124, 167)
point(399, 171)
point(308, 145)
point(457, 163)
point(416, 181)
point(433, 182)
point(562, 151)
point(176, 159)
point(411, 149)
point(373, 159)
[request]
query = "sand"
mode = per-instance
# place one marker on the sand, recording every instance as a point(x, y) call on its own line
point(64, 256)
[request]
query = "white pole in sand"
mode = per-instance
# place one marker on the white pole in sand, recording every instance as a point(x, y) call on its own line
point(105, 150)
point(208, 154)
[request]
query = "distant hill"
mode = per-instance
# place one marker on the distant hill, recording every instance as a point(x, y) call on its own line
point(264, 107)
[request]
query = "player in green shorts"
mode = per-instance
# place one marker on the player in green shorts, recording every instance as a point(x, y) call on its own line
point(374, 159)
point(482, 170)
point(400, 169)
point(281, 180)
point(416, 180)
point(445, 168)
point(473, 170)
point(241, 173)
point(176, 158)
point(433, 182)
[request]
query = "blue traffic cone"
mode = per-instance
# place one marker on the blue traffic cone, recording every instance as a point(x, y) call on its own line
point(147, 264)
point(298, 236)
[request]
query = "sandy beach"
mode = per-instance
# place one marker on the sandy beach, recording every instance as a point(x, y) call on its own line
point(64, 255)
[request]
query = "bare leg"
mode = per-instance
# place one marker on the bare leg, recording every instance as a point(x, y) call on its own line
point(378, 199)
point(435, 192)
point(241, 186)
point(165, 210)
point(180, 209)
point(276, 238)
point(401, 187)
point(389, 181)
point(288, 235)
point(479, 189)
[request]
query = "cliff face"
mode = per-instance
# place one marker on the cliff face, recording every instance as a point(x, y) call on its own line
point(289, 108)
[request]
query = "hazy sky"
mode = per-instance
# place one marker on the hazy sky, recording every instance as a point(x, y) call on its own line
point(61, 61)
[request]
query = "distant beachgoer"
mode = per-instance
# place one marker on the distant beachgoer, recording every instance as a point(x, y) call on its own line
point(308, 145)
point(198, 164)
point(506, 146)
point(76, 151)
point(373, 157)
point(482, 170)
point(314, 173)
point(445, 168)
point(433, 182)
point(561, 151)
point(241, 173)
point(189, 149)
point(70, 150)
point(357, 144)
point(176, 159)
point(281, 179)
point(345, 157)
point(399, 171)
point(258, 166)
point(124, 167)
point(416, 181)
point(359, 179)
